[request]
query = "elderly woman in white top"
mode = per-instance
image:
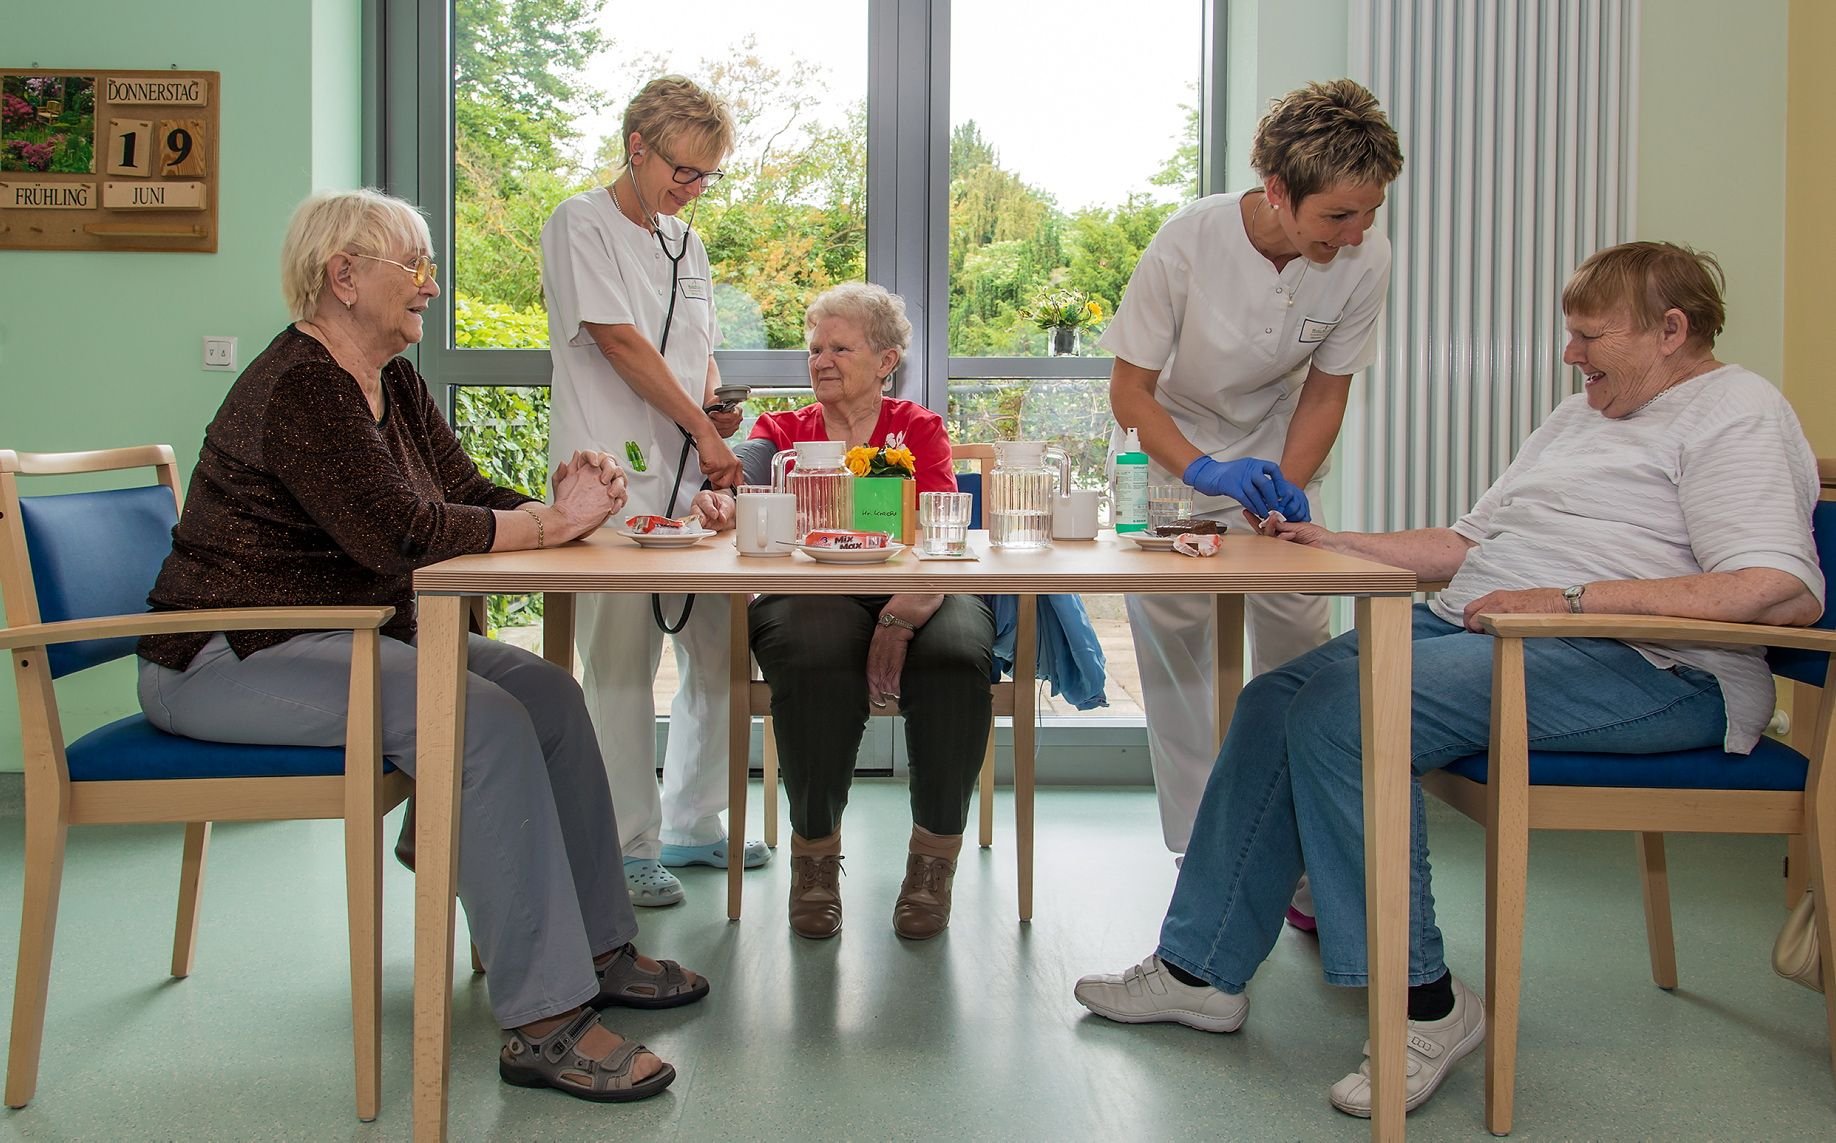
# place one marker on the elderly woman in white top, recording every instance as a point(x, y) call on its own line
point(1674, 485)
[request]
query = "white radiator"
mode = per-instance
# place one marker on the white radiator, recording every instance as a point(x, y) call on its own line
point(1518, 123)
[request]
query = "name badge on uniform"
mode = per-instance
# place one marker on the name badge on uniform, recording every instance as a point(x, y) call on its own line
point(695, 288)
point(1312, 331)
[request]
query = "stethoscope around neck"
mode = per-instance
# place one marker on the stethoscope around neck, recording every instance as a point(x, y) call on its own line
point(669, 316)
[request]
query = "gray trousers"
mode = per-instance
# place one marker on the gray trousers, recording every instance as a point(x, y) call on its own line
point(540, 873)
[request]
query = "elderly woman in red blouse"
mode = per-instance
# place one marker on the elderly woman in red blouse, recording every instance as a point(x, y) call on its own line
point(830, 660)
point(328, 476)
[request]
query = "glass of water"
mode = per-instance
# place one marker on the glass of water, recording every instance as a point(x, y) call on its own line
point(944, 516)
point(1167, 503)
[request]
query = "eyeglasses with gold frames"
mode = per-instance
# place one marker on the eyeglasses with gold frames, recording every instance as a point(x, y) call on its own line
point(422, 269)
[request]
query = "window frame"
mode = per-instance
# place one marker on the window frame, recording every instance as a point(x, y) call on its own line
point(407, 140)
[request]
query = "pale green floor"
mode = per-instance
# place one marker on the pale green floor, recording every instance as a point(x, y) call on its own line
point(973, 1036)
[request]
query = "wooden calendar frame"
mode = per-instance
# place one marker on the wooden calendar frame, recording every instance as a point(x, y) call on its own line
point(155, 163)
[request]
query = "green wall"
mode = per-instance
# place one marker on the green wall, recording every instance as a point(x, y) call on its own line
point(99, 350)
point(1711, 155)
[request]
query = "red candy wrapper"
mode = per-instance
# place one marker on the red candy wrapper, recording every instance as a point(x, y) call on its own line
point(846, 541)
point(644, 525)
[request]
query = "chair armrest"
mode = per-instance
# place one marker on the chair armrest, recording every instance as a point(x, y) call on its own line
point(178, 622)
point(1657, 629)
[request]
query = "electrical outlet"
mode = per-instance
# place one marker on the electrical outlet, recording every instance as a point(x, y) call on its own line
point(219, 353)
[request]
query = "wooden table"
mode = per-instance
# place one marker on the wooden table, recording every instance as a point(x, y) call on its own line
point(1247, 565)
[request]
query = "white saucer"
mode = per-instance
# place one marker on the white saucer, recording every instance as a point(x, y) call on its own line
point(1149, 543)
point(851, 555)
point(664, 539)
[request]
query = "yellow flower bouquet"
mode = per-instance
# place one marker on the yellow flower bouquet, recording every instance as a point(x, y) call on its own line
point(882, 460)
point(1064, 309)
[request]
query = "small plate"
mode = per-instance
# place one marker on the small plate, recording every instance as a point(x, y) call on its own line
point(665, 539)
point(851, 555)
point(1149, 543)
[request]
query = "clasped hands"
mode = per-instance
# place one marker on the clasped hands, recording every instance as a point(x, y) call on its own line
point(1256, 484)
point(588, 487)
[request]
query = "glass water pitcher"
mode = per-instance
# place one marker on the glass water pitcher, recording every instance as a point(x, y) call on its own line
point(813, 472)
point(1027, 476)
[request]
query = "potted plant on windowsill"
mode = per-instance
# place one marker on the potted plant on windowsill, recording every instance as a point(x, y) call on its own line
point(1061, 314)
point(885, 487)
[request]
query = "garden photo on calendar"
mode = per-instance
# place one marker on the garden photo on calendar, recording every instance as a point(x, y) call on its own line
point(48, 124)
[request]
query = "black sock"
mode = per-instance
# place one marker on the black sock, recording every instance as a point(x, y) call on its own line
point(1431, 1001)
point(1185, 977)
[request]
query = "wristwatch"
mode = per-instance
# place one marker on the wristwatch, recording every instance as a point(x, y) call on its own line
point(888, 619)
point(1573, 596)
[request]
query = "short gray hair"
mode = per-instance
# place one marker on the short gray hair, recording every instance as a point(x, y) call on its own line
point(879, 312)
point(355, 222)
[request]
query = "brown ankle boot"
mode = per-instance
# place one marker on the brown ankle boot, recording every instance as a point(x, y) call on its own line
point(815, 891)
point(923, 908)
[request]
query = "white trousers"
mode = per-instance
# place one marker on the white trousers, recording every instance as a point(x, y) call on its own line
point(620, 647)
point(1173, 649)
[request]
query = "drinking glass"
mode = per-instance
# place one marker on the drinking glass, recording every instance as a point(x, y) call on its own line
point(1167, 503)
point(944, 517)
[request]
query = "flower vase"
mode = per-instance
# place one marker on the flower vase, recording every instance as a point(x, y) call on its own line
point(1062, 340)
point(886, 504)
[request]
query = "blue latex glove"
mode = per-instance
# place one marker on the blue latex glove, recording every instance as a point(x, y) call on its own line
point(1293, 504)
point(1255, 484)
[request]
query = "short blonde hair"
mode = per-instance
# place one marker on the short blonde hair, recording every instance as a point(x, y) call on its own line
point(1644, 280)
point(672, 109)
point(355, 222)
point(879, 312)
point(1324, 134)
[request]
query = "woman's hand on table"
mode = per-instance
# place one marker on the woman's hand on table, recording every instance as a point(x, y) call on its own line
point(1293, 531)
point(714, 508)
point(589, 487)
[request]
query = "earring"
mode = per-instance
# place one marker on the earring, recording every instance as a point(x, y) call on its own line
point(349, 303)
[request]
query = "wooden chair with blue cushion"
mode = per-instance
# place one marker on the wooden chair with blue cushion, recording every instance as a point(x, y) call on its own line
point(75, 569)
point(1774, 790)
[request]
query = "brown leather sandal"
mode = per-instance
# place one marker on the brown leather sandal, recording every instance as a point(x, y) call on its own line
point(551, 1061)
point(623, 982)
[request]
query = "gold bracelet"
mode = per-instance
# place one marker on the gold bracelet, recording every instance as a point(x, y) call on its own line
point(530, 512)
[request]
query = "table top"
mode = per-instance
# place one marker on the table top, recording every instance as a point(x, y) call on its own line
point(605, 561)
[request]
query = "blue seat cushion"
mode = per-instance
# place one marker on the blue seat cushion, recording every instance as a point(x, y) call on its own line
point(1771, 766)
point(132, 750)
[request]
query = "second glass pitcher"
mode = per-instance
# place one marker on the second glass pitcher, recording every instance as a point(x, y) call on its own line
point(1027, 477)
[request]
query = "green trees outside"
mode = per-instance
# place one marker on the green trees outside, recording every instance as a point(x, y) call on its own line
point(789, 221)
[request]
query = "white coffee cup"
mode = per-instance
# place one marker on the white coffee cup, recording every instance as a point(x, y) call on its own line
point(762, 519)
point(1074, 515)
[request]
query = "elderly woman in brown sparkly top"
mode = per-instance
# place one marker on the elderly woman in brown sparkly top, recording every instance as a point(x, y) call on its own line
point(327, 477)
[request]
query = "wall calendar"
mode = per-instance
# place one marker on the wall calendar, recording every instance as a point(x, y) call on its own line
point(108, 160)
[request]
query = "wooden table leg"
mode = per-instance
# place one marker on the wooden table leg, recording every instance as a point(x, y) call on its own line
point(440, 742)
point(1227, 658)
point(1026, 694)
point(1384, 671)
point(558, 629)
point(739, 737)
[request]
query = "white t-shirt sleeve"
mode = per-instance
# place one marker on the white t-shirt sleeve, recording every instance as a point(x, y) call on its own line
point(1746, 503)
point(1352, 345)
point(1146, 327)
point(588, 286)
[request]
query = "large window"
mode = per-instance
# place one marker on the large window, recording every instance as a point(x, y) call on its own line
point(985, 160)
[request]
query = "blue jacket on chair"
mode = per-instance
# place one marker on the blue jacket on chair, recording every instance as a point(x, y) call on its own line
point(1070, 658)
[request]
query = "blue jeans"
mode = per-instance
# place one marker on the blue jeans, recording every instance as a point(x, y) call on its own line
point(1287, 792)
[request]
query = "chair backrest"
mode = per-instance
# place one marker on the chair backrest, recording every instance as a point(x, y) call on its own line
point(980, 456)
point(1810, 666)
point(77, 555)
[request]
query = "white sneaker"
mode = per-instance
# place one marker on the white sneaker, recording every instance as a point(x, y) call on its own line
point(1300, 909)
point(1434, 1047)
point(1149, 994)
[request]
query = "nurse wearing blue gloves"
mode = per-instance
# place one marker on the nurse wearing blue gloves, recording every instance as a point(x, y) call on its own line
point(1235, 345)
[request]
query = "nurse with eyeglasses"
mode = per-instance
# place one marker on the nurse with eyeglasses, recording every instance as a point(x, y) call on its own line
point(632, 331)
